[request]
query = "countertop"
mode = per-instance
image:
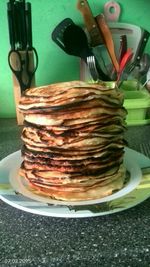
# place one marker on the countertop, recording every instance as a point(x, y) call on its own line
point(115, 240)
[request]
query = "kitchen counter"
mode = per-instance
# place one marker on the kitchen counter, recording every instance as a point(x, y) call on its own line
point(116, 240)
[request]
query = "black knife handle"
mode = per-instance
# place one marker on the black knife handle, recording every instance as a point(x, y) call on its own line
point(142, 45)
point(11, 26)
point(29, 25)
point(18, 27)
point(22, 24)
point(140, 50)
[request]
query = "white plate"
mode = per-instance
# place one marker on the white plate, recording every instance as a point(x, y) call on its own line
point(15, 194)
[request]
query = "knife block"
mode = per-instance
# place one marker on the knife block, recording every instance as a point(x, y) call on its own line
point(16, 85)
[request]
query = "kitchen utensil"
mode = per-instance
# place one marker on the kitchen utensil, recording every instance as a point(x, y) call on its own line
point(23, 69)
point(123, 46)
point(141, 70)
point(28, 19)
point(135, 36)
point(112, 11)
point(144, 64)
point(147, 79)
point(124, 61)
point(58, 32)
point(21, 43)
point(72, 39)
point(90, 23)
point(23, 57)
point(140, 50)
point(92, 67)
point(11, 26)
point(100, 19)
point(122, 51)
point(21, 24)
point(76, 43)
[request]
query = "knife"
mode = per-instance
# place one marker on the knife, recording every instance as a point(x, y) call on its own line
point(141, 46)
point(140, 50)
point(90, 23)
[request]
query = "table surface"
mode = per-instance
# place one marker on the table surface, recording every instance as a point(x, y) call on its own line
point(115, 240)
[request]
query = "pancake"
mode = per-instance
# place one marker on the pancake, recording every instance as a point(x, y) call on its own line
point(88, 191)
point(73, 140)
point(62, 95)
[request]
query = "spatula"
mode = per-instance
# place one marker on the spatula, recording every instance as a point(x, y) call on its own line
point(75, 42)
point(58, 32)
point(71, 38)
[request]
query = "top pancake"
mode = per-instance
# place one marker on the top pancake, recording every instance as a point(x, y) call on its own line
point(69, 94)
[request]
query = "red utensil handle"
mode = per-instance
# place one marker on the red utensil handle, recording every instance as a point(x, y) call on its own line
point(126, 58)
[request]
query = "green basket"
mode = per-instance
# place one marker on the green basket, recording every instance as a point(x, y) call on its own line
point(137, 103)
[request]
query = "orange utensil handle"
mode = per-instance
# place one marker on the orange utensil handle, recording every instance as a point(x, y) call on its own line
point(107, 36)
point(90, 23)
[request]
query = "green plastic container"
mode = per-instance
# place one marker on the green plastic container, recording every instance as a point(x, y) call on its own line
point(131, 85)
point(137, 103)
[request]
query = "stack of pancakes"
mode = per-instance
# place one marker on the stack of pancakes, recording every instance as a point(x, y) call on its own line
point(73, 139)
